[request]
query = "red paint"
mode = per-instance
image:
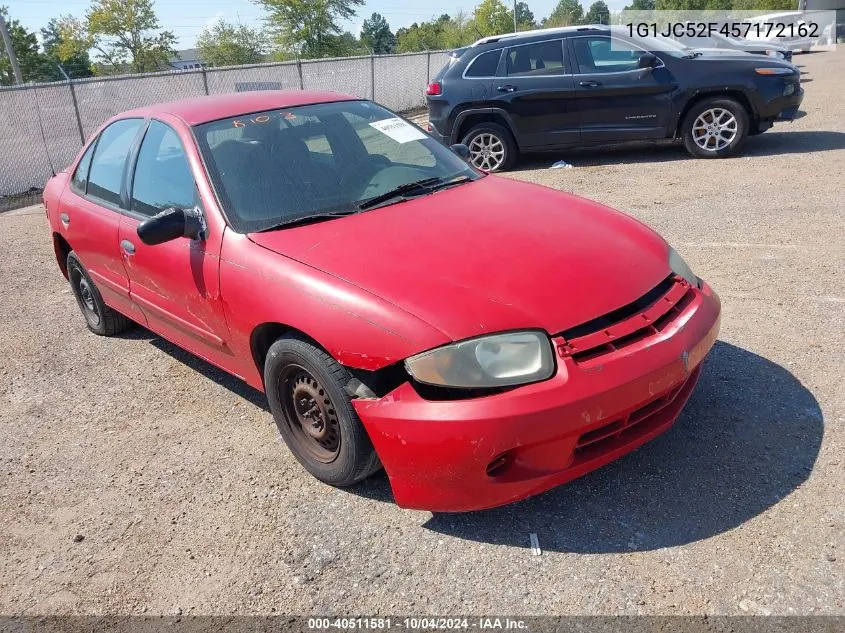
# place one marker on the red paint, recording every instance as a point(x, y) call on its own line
point(375, 288)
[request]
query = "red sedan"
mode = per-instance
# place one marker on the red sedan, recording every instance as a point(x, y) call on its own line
point(480, 338)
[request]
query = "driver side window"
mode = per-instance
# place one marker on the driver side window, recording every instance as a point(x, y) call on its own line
point(599, 55)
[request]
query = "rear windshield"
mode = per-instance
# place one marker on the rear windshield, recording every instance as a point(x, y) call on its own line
point(279, 165)
point(454, 57)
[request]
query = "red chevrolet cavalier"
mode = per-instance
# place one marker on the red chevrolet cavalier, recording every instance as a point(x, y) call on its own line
point(482, 339)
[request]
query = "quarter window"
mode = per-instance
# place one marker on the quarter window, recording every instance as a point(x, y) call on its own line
point(80, 176)
point(162, 175)
point(543, 58)
point(597, 55)
point(484, 65)
point(109, 162)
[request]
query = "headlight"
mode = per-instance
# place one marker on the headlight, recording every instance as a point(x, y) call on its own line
point(680, 267)
point(497, 360)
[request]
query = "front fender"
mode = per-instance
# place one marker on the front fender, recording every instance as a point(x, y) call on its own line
point(359, 329)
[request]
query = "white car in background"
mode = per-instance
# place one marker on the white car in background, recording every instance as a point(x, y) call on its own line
point(797, 30)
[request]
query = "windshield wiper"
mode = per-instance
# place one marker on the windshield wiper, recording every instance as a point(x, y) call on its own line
point(428, 184)
point(369, 203)
point(307, 219)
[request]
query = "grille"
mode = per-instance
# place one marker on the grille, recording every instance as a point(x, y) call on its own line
point(648, 315)
point(637, 423)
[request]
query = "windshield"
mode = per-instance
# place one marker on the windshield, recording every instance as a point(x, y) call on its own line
point(275, 167)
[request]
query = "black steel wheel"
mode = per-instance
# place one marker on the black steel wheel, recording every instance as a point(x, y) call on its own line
point(99, 318)
point(314, 414)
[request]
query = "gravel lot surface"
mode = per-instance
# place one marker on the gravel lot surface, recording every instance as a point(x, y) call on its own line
point(137, 479)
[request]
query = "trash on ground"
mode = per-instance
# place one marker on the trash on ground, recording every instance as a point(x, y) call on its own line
point(535, 544)
point(561, 164)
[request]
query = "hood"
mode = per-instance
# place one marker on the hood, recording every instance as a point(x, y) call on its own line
point(490, 255)
point(723, 54)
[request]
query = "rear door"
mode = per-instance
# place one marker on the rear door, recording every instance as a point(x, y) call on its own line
point(617, 100)
point(90, 211)
point(538, 92)
point(175, 284)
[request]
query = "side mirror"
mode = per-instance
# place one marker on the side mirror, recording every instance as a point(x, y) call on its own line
point(170, 224)
point(647, 60)
point(461, 150)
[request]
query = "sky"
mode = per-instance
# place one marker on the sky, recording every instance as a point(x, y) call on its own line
point(186, 18)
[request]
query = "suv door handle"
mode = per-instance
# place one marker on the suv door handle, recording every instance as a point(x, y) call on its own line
point(589, 84)
point(127, 246)
point(506, 88)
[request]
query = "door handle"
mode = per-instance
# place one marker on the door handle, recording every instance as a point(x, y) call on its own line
point(65, 218)
point(589, 84)
point(506, 88)
point(127, 246)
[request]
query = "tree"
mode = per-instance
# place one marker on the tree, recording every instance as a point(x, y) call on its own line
point(124, 33)
point(565, 13)
point(641, 5)
point(376, 35)
point(35, 66)
point(309, 27)
point(492, 17)
point(224, 44)
point(598, 13)
point(431, 35)
point(74, 60)
point(524, 17)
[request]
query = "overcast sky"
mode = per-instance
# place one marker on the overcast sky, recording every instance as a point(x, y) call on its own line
point(186, 18)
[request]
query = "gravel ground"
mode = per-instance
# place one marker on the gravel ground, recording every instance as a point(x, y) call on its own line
point(136, 478)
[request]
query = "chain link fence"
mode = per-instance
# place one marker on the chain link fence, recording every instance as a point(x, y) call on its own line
point(45, 125)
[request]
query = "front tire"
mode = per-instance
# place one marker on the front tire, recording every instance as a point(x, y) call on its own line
point(314, 414)
point(715, 128)
point(99, 318)
point(491, 147)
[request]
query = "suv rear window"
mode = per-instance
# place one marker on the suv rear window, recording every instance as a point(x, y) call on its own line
point(484, 65)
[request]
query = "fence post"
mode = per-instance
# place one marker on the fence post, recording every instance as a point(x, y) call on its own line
point(428, 67)
point(204, 80)
point(299, 70)
point(75, 104)
point(372, 75)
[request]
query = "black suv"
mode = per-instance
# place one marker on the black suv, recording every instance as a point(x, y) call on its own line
point(594, 85)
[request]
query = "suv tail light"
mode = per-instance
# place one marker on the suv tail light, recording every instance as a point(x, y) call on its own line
point(434, 89)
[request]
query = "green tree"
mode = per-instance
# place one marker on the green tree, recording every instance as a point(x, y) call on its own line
point(309, 28)
point(641, 5)
point(124, 33)
point(598, 13)
point(35, 66)
point(565, 13)
point(431, 35)
point(524, 17)
point(224, 44)
point(376, 35)
point(492, 17)
point(75, 61)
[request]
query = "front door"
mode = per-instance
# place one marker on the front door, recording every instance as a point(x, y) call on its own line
point(617, 100)
point(175, 284)
point(539, 94)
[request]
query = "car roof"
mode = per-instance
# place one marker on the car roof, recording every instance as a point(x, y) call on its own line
point(560, 30)
point(204, 109)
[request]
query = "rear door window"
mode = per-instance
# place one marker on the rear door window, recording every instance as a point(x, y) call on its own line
point(542, 58)
point(80, 176)
point(107, 167)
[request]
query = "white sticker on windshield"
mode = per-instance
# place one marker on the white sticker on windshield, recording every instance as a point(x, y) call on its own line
point(399, 130)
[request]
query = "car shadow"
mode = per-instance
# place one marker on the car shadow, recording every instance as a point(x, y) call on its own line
point(768, 144)
point(748, 437)
point(222, 378)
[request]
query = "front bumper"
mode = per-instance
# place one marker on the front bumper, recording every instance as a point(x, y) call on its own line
point(472, 454)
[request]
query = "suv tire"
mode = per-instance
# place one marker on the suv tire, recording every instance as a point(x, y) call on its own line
point(305, 388)
point(715, 127)
point(491, 147)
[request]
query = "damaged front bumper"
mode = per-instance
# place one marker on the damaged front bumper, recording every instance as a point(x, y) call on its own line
point(460, 455)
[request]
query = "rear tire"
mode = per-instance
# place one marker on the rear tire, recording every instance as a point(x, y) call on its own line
point(715, 128)
point(492, 147)
point(306, 392)
point(99, 318)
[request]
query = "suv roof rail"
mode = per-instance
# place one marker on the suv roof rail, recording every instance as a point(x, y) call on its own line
point(549, 31)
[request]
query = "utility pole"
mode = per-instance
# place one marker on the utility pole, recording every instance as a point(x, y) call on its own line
point(10, 51)
point(515, 26)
